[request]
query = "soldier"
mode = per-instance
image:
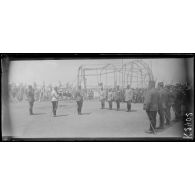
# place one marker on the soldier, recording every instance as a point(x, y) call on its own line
point(31, 99)
point(79, 100)
point(117, 98)
point(188, 98)
point(102, 98)
point(168, 103)
point(161, 104)
point(128, 97)
point(151, 105)
point(54, 100)
point(110, 98)
point(177, 102)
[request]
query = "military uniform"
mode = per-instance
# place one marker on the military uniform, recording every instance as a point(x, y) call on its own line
point(117, 98)
point(163, 97)
point(151, 106)
point(110, 99)
point(177, 102)
point(54, 101)
point(102, 98)
point(128, 98)
point(79, 100)
point(31, 99)
point(168, 102)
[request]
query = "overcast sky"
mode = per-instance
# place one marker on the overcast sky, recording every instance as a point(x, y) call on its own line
point(53, 71)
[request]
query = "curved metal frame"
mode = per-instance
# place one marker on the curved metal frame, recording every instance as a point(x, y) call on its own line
point(136, 73)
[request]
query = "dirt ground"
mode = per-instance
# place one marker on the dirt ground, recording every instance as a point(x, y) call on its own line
point(94, 122)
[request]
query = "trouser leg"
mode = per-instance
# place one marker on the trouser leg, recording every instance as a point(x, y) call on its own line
point(129, 106)
point(54, 107)
point(177, 108)
point(79, 104)
point(118, 105)
point(152, 118)
point(110, 105)
point(162, 116)
point(78, 107)
point(168, 115)
point(31, 107)
point(102, 104)
point(179, 111)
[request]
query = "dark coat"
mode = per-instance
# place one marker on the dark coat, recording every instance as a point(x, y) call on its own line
point(163, 99)
point(30, 95)
point(151, 100)
point(79, 96)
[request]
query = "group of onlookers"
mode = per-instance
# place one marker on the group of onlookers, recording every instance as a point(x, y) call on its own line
point(18, 93)
point(161, 99)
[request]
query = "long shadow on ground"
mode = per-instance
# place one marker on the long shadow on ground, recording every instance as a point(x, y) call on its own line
point(61, 115)
point(39, 113)
point(87, 113)
point(123, 110)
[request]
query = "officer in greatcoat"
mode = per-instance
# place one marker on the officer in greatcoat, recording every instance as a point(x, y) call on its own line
point(151, 105)
point(178, 101)
point(162, 104)
point(168, 104)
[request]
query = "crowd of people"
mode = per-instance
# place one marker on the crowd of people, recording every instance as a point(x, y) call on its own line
point(18, 93)
point(156, 100)
point(160, 100)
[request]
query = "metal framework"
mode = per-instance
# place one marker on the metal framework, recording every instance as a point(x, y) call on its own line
point(136, 73)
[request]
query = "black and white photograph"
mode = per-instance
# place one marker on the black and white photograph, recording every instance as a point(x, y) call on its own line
point(111, 98)
point(97, 97)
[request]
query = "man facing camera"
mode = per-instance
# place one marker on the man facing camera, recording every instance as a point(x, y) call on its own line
point(31, 99)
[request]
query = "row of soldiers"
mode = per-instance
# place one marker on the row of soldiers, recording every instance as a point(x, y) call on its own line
point(116, 95)
point(161, 99)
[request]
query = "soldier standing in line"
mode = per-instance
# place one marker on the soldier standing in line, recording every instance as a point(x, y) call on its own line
point(110, 98)
point(178, 101)
point(161, 104)
point(54, 100)
point(31, 99)
point(151, 105)
point(79, 100)
point(188, 98)
point(117, 97)
point(128, 97)
point(168, 104)
point(102, 98)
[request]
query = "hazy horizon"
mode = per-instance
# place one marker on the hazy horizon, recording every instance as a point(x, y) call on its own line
point(52, 71)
